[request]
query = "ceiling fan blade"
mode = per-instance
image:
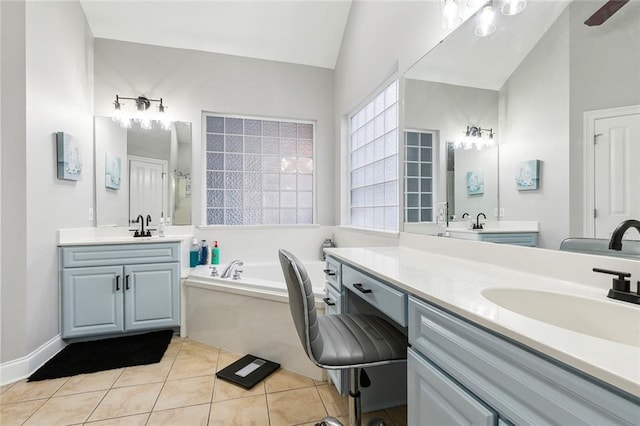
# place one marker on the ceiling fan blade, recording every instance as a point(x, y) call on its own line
point(605, 12)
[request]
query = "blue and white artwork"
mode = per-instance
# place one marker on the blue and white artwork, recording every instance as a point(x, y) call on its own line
point(475, 183)
point(69, 161)
point(112, 169)
point(528, 175)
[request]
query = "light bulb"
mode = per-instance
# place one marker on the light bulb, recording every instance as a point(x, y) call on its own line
point(450, 16)
point(145, 123)
point(486, 22)
point(512, 7)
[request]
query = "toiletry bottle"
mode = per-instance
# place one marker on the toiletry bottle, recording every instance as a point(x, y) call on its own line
point(203, 252)
point(161, 227)
point(194, 254)
point(215, 254)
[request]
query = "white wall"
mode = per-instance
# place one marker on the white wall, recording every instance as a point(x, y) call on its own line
point(533, 111)
point(111, 138)
point(191, 82)
point(49, 79)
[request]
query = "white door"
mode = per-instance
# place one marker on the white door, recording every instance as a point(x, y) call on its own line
point(616, 172)
point(147, 188)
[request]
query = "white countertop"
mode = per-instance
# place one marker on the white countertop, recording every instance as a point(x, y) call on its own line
point(456, 285)
point(119, 235)
point(495, 227)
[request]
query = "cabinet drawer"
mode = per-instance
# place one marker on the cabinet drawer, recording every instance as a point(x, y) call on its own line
point(388, 300)
point(522, 386)
point(527, 239)
point(332, 272)
point(119, 254)
point(332, 301)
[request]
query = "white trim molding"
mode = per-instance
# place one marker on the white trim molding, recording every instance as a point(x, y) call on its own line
point(21, 368)
point(588, 136)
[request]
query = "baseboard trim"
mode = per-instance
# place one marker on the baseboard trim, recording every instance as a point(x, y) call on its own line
point(20, 368)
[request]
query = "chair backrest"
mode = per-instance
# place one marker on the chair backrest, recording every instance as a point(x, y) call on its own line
point(301, 303)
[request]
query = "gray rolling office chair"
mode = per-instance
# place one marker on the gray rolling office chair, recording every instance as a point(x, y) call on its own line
point(343, 341)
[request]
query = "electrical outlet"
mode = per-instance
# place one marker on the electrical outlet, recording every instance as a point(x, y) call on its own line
point(90, 214)
point(495, 212)
point(501, 211)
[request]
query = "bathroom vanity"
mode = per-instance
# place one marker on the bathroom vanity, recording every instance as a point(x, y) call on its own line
point(118, 288)
point(471, 361)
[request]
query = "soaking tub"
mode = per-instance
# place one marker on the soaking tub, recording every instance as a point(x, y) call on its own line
point(250, 315)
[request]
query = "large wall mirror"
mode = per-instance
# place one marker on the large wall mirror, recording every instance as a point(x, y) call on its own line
point(540, 84)
point(142, 172)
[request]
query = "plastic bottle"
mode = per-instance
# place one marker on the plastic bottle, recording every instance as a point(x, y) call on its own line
point(161, 227)
point(194, 254)
point(215, 254)
point(203, 252)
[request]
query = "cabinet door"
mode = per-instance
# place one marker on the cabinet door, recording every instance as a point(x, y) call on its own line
point(434, 399)
point(92, 301)
point(152, 296)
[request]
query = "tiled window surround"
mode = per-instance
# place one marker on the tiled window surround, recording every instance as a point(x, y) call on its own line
point(258, 171)
point(418, 176)
point(373, 152)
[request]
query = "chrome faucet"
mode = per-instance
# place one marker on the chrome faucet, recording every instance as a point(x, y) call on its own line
point(231, 268)
point(615, 243)
point(478, 225)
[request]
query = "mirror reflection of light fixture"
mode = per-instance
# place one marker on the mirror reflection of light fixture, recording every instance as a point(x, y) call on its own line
point(476, 136)
point(451, 17)
point(486, 22)
point(512, 7)
point(142, 115)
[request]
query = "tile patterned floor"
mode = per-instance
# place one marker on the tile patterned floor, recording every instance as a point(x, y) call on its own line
point(180, 390)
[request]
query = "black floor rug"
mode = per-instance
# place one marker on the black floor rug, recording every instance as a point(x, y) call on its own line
point(106, 354)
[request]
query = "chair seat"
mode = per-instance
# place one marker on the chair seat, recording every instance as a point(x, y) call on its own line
point(355, 339)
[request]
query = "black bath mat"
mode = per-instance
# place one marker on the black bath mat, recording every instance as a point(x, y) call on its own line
point(105, 354)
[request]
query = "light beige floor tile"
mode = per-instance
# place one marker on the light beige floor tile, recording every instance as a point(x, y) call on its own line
point(144, 374)
point(66, 410)
point(251, 410)
point(18, 413)
point(182, 393)
point(283, 380)
point(225, 390)
point(190, 348)
point(295, 406)
point(381, 414)
point(89, 382)
point(4, 388)
point(320, 382)
point(172, 350)
point(196, 415)
point(192, 367)
point(398, 415)
point(336, 404)
point(137, 420)
point(23, 391)
point(127, 401)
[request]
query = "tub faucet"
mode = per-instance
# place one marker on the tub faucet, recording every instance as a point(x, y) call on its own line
point(615, 243)
point(478, 225)
point(231, 268)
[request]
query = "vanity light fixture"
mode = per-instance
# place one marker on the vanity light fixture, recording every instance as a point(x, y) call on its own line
point(142, 115)
point(512, 7)
point(486, 22)
point(476, 136)
point(451, 16)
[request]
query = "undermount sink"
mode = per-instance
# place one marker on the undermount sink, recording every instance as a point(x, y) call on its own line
point(598, 318)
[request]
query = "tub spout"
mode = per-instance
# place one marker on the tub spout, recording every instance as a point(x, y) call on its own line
point(231, 268)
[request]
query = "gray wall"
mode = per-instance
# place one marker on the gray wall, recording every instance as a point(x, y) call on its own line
point(533, 108)
point(47, 49)
point(191, 82)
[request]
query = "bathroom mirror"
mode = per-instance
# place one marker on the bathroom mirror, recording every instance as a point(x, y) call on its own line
point(532, 82)
point(142, 172)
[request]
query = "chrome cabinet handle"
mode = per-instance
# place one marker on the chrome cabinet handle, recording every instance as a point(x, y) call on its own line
point(361, 289)
point(329, 302)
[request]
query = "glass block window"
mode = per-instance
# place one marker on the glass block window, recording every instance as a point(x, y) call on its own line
point(373, 151)
point(418, 176)
point(258, 171)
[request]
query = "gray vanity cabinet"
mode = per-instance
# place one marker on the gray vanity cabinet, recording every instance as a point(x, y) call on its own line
point(119, 288)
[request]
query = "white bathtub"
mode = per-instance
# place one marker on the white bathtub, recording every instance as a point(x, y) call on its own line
point(250, 315)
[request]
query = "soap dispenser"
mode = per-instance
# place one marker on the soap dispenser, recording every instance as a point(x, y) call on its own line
point(215, 254)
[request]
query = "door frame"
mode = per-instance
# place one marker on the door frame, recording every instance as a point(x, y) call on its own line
point(588, 166)
point(165, 181)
